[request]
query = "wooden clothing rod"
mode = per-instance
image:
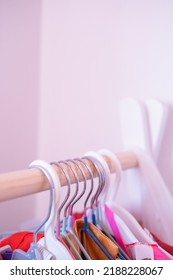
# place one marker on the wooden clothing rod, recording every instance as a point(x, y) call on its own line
point(29, 181)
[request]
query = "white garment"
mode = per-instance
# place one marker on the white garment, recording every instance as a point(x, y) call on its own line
point(144, 194)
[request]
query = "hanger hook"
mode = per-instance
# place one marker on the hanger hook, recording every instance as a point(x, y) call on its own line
point(77, 186)
point(92, 183)
point(84, 188)
point(35, 164)
point(101, 178)
point(68, 186)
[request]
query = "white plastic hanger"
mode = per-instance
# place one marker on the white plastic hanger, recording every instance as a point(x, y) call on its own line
point(143, 124)
point(129, 220)
point(127, 235)
point(153, 205)
point(49, 240)
point(158, 113)
point(135, 127)
point(131, 225)
point(35, 251)
point(155, 199)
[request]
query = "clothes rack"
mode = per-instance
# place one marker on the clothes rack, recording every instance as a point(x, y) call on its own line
point(29, 181)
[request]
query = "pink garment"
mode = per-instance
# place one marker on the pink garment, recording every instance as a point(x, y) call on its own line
point(158, 254)
point(115, 229)
point(77, 216)
point(134, 250)
point(162, 244)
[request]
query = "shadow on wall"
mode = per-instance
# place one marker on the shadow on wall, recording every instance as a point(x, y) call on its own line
point(20, 23)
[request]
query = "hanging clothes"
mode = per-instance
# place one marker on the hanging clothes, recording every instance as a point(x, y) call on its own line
point(89, 244)
point(144, 194)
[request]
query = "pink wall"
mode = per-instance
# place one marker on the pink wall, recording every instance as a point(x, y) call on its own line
point(19, 93)
point(19, 81)
point(94, 53)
